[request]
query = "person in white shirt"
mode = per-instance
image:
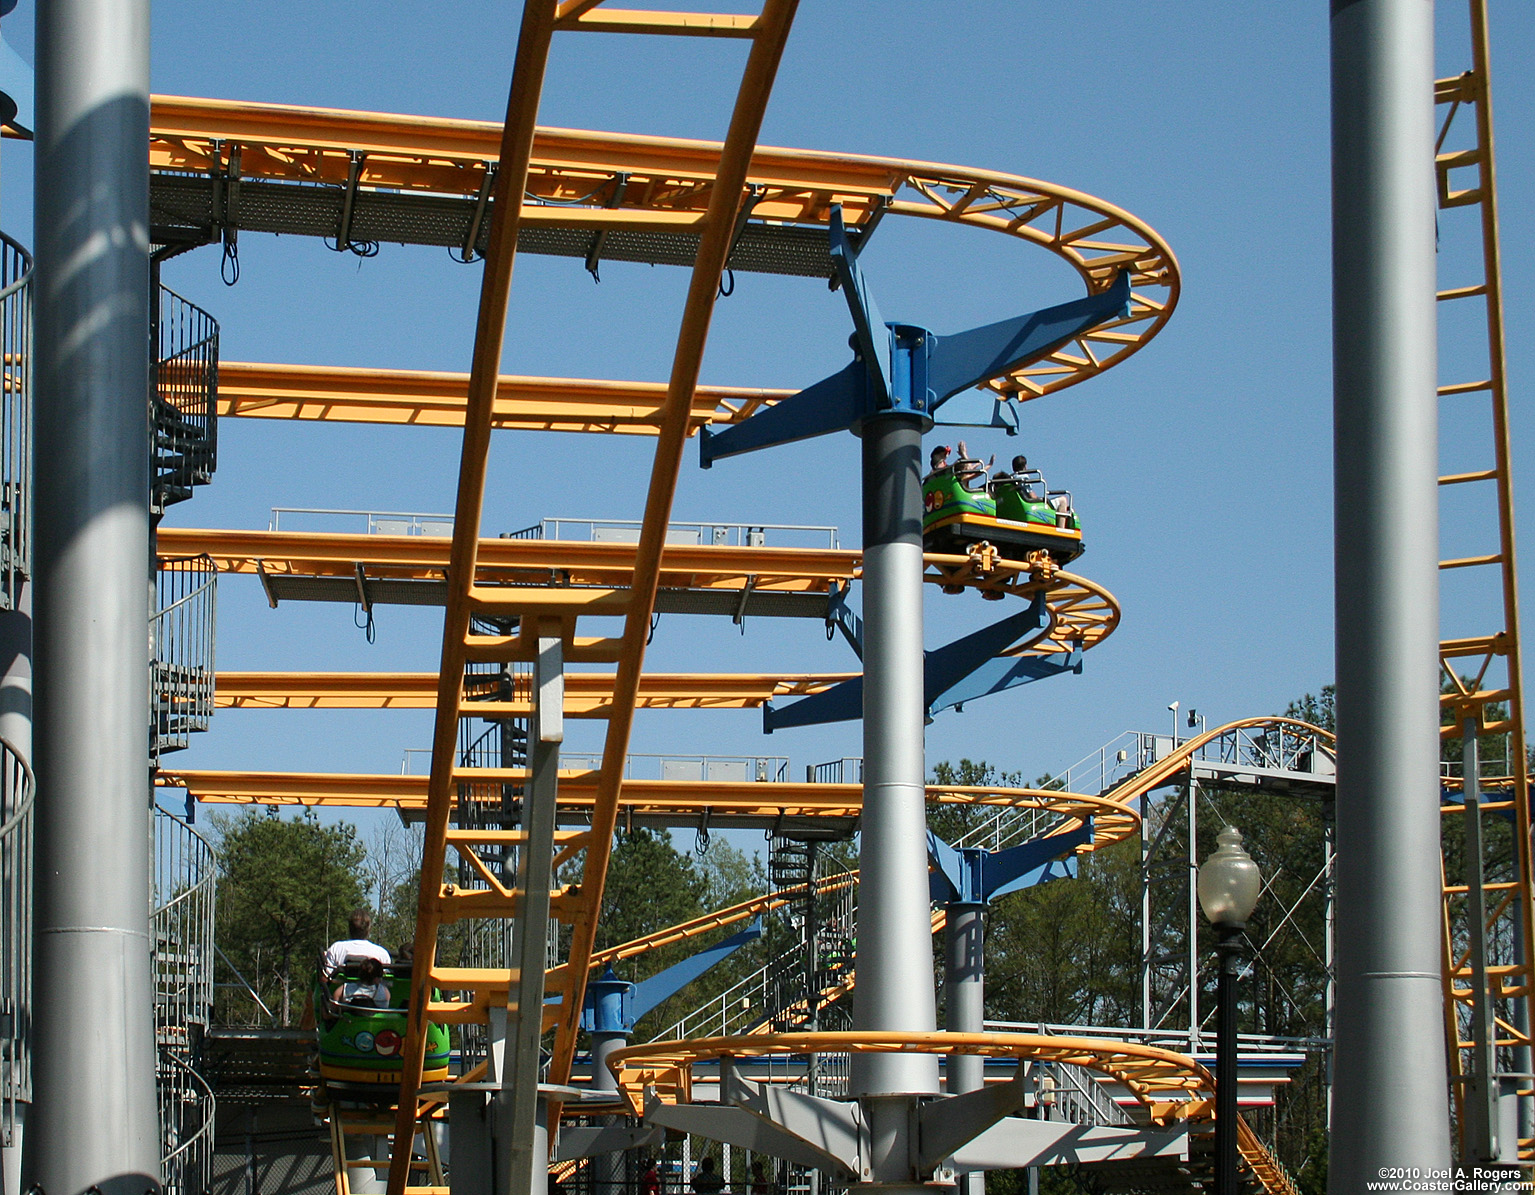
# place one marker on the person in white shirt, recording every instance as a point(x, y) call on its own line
point(359, 924)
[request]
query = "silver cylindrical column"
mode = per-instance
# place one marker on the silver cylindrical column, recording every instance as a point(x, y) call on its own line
point(94, 1113)
point(964, 990)
point(895, 986)
point(964, 998)
point(1391, 1108)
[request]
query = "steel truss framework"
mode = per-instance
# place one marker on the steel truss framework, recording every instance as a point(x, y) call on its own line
point(1488, 931)
point(517, 187)
point(1287, 760)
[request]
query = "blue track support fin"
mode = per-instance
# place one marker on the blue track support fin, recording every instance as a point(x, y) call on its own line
point(974, 876)
point(843, 702)
point(965, 359)
point(1034, 862)
point(951, 879)
point(979, 408)
point(946, 666)
point(871, 338)
point(840, 617)
point(945, 674)
point(834, 404)
point(665, 984)
point(1000, 674)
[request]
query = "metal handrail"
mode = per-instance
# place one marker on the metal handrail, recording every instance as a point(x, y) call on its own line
point(188, 1166)
point(15, 420)
point(18, 786)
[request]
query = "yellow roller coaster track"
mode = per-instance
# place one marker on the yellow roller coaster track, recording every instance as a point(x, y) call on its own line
point(1482, 671)
point(1171, 1087)
point(532, 179)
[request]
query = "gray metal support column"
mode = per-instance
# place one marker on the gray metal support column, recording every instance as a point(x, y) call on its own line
point(522, 1147)
point(895, 989)
point(964, 990)
point(1391, 1106)
point(94, 1112)
point(607, 1169)
point(1479, 1128)
point(964, 995)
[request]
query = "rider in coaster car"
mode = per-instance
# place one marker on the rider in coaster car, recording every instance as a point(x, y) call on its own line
point(967, 468)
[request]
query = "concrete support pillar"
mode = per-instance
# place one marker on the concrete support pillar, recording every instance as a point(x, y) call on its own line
point(94, 1122)
point(1391, 1108)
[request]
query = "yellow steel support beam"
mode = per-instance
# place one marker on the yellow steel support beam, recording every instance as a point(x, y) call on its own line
point(490, 330)
point(703, 288)
point(587, 694)
point(1510, 911)
point(432, 399)
point(577, 563)
point(682, 802)
point(1083, 614)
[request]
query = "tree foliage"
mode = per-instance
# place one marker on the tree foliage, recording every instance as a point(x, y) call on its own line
point(285, 890)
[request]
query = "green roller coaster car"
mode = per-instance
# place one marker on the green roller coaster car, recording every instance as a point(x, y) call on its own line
point(361, 1047)
point(961, 507)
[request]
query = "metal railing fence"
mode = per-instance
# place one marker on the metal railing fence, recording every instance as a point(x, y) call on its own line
point(182, 642)
point(747, 535)
point(15, 420)
point(373, 522)
point(17, 789)
point(186, 1126)
point(185, 875)
point(184, 402)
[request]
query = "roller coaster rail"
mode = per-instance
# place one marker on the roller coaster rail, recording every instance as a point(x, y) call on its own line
point(255, 163)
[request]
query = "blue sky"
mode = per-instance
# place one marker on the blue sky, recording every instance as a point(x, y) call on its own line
point(1202, 467)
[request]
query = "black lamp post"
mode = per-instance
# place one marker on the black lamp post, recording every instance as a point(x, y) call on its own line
point(1228, 889)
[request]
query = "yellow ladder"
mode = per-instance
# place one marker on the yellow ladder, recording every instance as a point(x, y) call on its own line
point(1487, 874)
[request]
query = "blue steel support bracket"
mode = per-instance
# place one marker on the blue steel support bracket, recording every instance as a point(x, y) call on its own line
point(833, 404)
point(904, 367)
point(945, 672)
point(979, 408)
point(973, 876)
point(1035, 862)
point(965, 359)
point(840, 617)
point(1000, 674)
point(665, 984)
point(945, 666)
point(871, 335)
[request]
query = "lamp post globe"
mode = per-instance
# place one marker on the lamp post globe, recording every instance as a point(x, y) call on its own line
point(1228, 886)
point(1229, 882)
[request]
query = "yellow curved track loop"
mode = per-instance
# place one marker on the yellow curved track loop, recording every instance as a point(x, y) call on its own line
point(1171, 1087)
point(1109, 827)
point(679, 802)
point(670, 183)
